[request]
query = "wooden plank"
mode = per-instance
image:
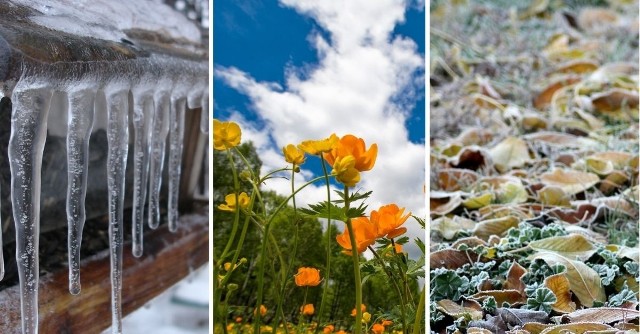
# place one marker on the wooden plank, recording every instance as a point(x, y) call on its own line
point(168, 258)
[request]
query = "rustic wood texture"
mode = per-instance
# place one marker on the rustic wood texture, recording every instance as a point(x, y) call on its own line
point(168, 258)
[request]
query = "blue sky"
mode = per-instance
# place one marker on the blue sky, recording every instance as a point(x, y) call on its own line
point(291, 70)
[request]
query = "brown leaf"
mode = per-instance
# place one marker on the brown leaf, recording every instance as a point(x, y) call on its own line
point(514, 278)
point(448, 258)
point(544, 98)
point(558, 139)
point(454, 179)
point(496, 226)
point(469, 241)
point(571, 181)
point(451, 308)
point(470, 157)
point(559, 285)
point(614, 100)
point(478, 330)
point(602, 314)
point(474, 136)
point(577, 328)
point(535, 328)
point(442, 203)
point(583, 213)
point(584, 281)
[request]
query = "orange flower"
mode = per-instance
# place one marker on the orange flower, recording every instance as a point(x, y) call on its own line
point(307, 276)
point(365, 235)
point(315, 147)
point(388, 219)
point(238, 319)
point(363, 308)
point(386, 323)
point(328, 329)
point(377, 329)
point(352, 145)
point(398, 249)
point(263, 311)
point(341, 332)
point(308, 309)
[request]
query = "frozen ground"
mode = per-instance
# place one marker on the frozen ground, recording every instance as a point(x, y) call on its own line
point(183, 309)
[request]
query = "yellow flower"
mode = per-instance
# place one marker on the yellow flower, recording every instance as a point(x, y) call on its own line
point(365, 235)
point(225, 135)
point(354, 146)
point(388, 219)
point(307, 276)
point(366, 317)
point(263, 311)
point(328, 329)
point(307, 309)
point(230, 205)
point(345, 171)
point(293, 155)
point(377, 329)
point(315, 147)
point(227, 266)
point(363, 308)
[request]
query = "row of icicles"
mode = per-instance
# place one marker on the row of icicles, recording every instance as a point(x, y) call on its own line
point(156, 114)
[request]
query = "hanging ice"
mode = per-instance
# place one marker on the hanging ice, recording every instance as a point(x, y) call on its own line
point(118, 141)
point(204, 115)
point(80, 124)
point(26, 144)
point(176, 136)
point(158, 139)
point(142, 123)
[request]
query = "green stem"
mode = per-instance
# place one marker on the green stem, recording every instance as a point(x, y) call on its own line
point(417, 325)
point(304, 302)
point(356, 266)
point(236, 218)
point(327, 274)
point(398, 290)
point(291, 258)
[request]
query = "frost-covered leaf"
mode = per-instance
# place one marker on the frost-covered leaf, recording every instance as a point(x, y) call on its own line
point(574, 246)
point(496, 226)
point(571, 181)
point(455, 310)
point(584, 281)
point(476, 202)
point(560, 286)
point(602, 314)
point(577, 328)
point(510, 153)
point(442, 203)
point(449, 227)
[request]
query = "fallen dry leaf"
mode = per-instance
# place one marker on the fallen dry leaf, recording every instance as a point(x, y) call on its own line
point(559, 285)
point(584, 282)
point(571, 181)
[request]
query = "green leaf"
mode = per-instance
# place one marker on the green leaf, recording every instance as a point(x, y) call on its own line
point(321, 210)
point(542, 300)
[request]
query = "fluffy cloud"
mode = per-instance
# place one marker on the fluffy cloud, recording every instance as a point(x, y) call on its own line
point(365, 83)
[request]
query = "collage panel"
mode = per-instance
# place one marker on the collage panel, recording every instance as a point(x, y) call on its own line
point(319, 167)
point(104, 166)
point(533, 190)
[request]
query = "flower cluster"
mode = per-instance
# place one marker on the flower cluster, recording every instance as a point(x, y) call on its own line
point(384, 222)
point(347, 156)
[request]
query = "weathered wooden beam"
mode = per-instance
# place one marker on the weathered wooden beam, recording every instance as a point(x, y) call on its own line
point(168, 258)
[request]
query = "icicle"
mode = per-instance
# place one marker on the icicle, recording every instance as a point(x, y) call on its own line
point(28, 134)
point(118, 141)
point(1, 255)
point(80, 124)
point(142, 118)
point(176, 136)
point(204, 116)
point(158, 139)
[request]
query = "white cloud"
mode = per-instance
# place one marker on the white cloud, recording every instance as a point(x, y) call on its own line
point(360, 86)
